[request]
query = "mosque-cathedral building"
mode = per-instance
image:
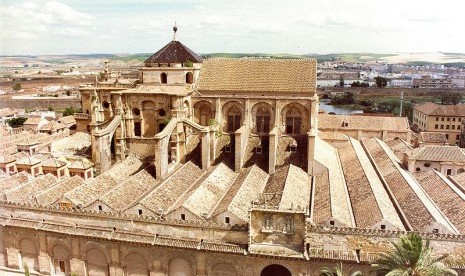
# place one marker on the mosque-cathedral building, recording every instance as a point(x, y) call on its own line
point(224, 167)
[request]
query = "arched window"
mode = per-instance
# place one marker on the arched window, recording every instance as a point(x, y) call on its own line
point(189, 77)
point(163, 78)
point(293, 121)
point(263, 121)
point(234, 119)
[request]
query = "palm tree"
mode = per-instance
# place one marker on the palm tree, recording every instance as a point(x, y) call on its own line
point(325, 271)
point(411, 257)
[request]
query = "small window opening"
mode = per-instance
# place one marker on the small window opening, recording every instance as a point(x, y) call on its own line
point(258, 150)
point(227, 148)
point(189, 78)
point(331, 222)
point(417, 169)
point(383, 227)
point(435, 230)
point(163, 78)
point(100, 208)
point(183, 216)
point(427, 165)
point(293, 148)
point(226, 220)
point(140, 211)
point(106, 104)
point(62, 266)
point(161, 112)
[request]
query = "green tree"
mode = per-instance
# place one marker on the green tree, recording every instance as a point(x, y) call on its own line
point(16, 122)
point(337, 271)
point(381, 82)
point(69, 111)
point(451, 98)
point(411, 257)
point(17, 86)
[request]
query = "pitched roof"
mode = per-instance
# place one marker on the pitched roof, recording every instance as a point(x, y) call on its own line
point(67, 120)
point(174, 52)
point(438, 153)
point(29, 160)
point(52, 125)
point(258, 75)
point(326, 121)
point(6, 158)
point(54, 193)
point(433, 137)
point(441, 110)
point(81, 164)
point(53, 162)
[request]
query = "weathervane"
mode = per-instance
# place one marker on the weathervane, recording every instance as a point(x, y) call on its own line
point(175, 29)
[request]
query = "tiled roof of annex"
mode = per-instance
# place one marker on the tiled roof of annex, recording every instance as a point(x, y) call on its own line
point(99, 186)
point(328, 121)
point(459, 180)
point(430, 108)
point(438, 154)
point(51, 195)
point(25, 192)
point(297, 189)
point(14, 181)
point(340, 208)
point(129, 191)
point(416, 206)
point(449, 199)
point(370, 202)
point(258, 75)
point(433, 137)
point(166, 194)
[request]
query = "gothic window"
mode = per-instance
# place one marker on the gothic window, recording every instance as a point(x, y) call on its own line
point(267, 224)
point(263, 121)
point(234, 119)
point(287, 225)
point(293, 121)
point(137, 129)
point(163, 78)
point(189, 78)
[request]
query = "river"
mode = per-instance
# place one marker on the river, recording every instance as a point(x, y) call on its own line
point(338, 109)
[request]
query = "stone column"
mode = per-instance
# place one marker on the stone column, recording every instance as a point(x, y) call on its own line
point(161, 157)
point(115, 267)
point(44, 258)
point(205, 134)
point(201, 265)
point(312, 134)
point(76, 263)
point(247, 113)
point(239, 160)
point(218, 115)
point(272, 150)
point(384, 135)
point(213, 140)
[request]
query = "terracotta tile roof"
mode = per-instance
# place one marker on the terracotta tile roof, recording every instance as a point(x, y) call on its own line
point(438, 153)
point(328, 156)
point(326, 121)
point(258, 75)
point(33, 121)
point(449, 199)
point(321, 208)
point(275, 185)
point(80, 164)
point(174, 52)
point(25, 193)
point(97, 187)
point(399, 147)
point(6, 158)
point(433, 137)
point(53, 162)
point(54, 193)
point(29, 160)
point(418, 209)
point(14, 181)
point(296, 192)
point(210, 191)
point(370, 202)
point(166, 194)
point(129, 191)
point(71, 145)
point(246, 188)
point(459, 180)
point(433, 109)
point(67, 120)
point(52, 125)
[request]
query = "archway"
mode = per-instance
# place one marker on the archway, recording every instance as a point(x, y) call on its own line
point(163, 78)
point(97, 263)
point(296, 119)
point(179, 267)
point(61, 257)
point(203, 113)
point(136, 265)
point(29, 254)
point(275, 270)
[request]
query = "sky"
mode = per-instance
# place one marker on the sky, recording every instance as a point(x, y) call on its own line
point(232, 26)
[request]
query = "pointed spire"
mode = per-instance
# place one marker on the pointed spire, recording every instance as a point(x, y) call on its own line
point(175, 29)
